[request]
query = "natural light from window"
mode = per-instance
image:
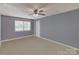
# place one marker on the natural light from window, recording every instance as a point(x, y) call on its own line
point(22, 25)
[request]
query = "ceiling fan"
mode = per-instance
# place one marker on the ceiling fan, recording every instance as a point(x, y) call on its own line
point(38, 12)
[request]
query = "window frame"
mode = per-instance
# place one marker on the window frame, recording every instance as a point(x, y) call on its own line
point(23, 26)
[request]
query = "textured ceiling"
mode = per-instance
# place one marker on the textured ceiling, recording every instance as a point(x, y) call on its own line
point(25, 9)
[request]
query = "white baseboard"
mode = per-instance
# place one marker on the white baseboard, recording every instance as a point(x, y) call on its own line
point(16, 38)
point(60, 43)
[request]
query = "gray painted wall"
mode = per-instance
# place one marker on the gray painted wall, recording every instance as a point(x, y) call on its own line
point(8, 27)
point(62, 27)
point(0, 27)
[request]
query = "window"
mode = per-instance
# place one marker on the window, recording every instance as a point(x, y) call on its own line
point(18, 25)
point(22, 26)
point(27, 26)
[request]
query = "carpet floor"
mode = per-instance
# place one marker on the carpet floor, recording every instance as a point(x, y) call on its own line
point(34, 46)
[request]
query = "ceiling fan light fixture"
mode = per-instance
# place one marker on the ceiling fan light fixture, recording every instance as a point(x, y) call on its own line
point(35, 15)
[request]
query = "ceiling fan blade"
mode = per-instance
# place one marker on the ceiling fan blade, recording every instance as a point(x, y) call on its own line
point(41, 14)
point(29, 9)
point(41, 10)
point(40, 5)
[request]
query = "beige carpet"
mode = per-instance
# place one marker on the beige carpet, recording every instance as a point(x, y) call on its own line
point(33, 46)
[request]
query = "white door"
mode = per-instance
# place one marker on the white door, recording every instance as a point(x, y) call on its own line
point(38, 28)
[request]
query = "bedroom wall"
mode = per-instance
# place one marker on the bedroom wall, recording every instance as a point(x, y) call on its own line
point(0, 27)
point(8, 27)
point(62, 27)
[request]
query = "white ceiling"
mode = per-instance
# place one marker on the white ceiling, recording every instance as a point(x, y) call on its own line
point(25, 9)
